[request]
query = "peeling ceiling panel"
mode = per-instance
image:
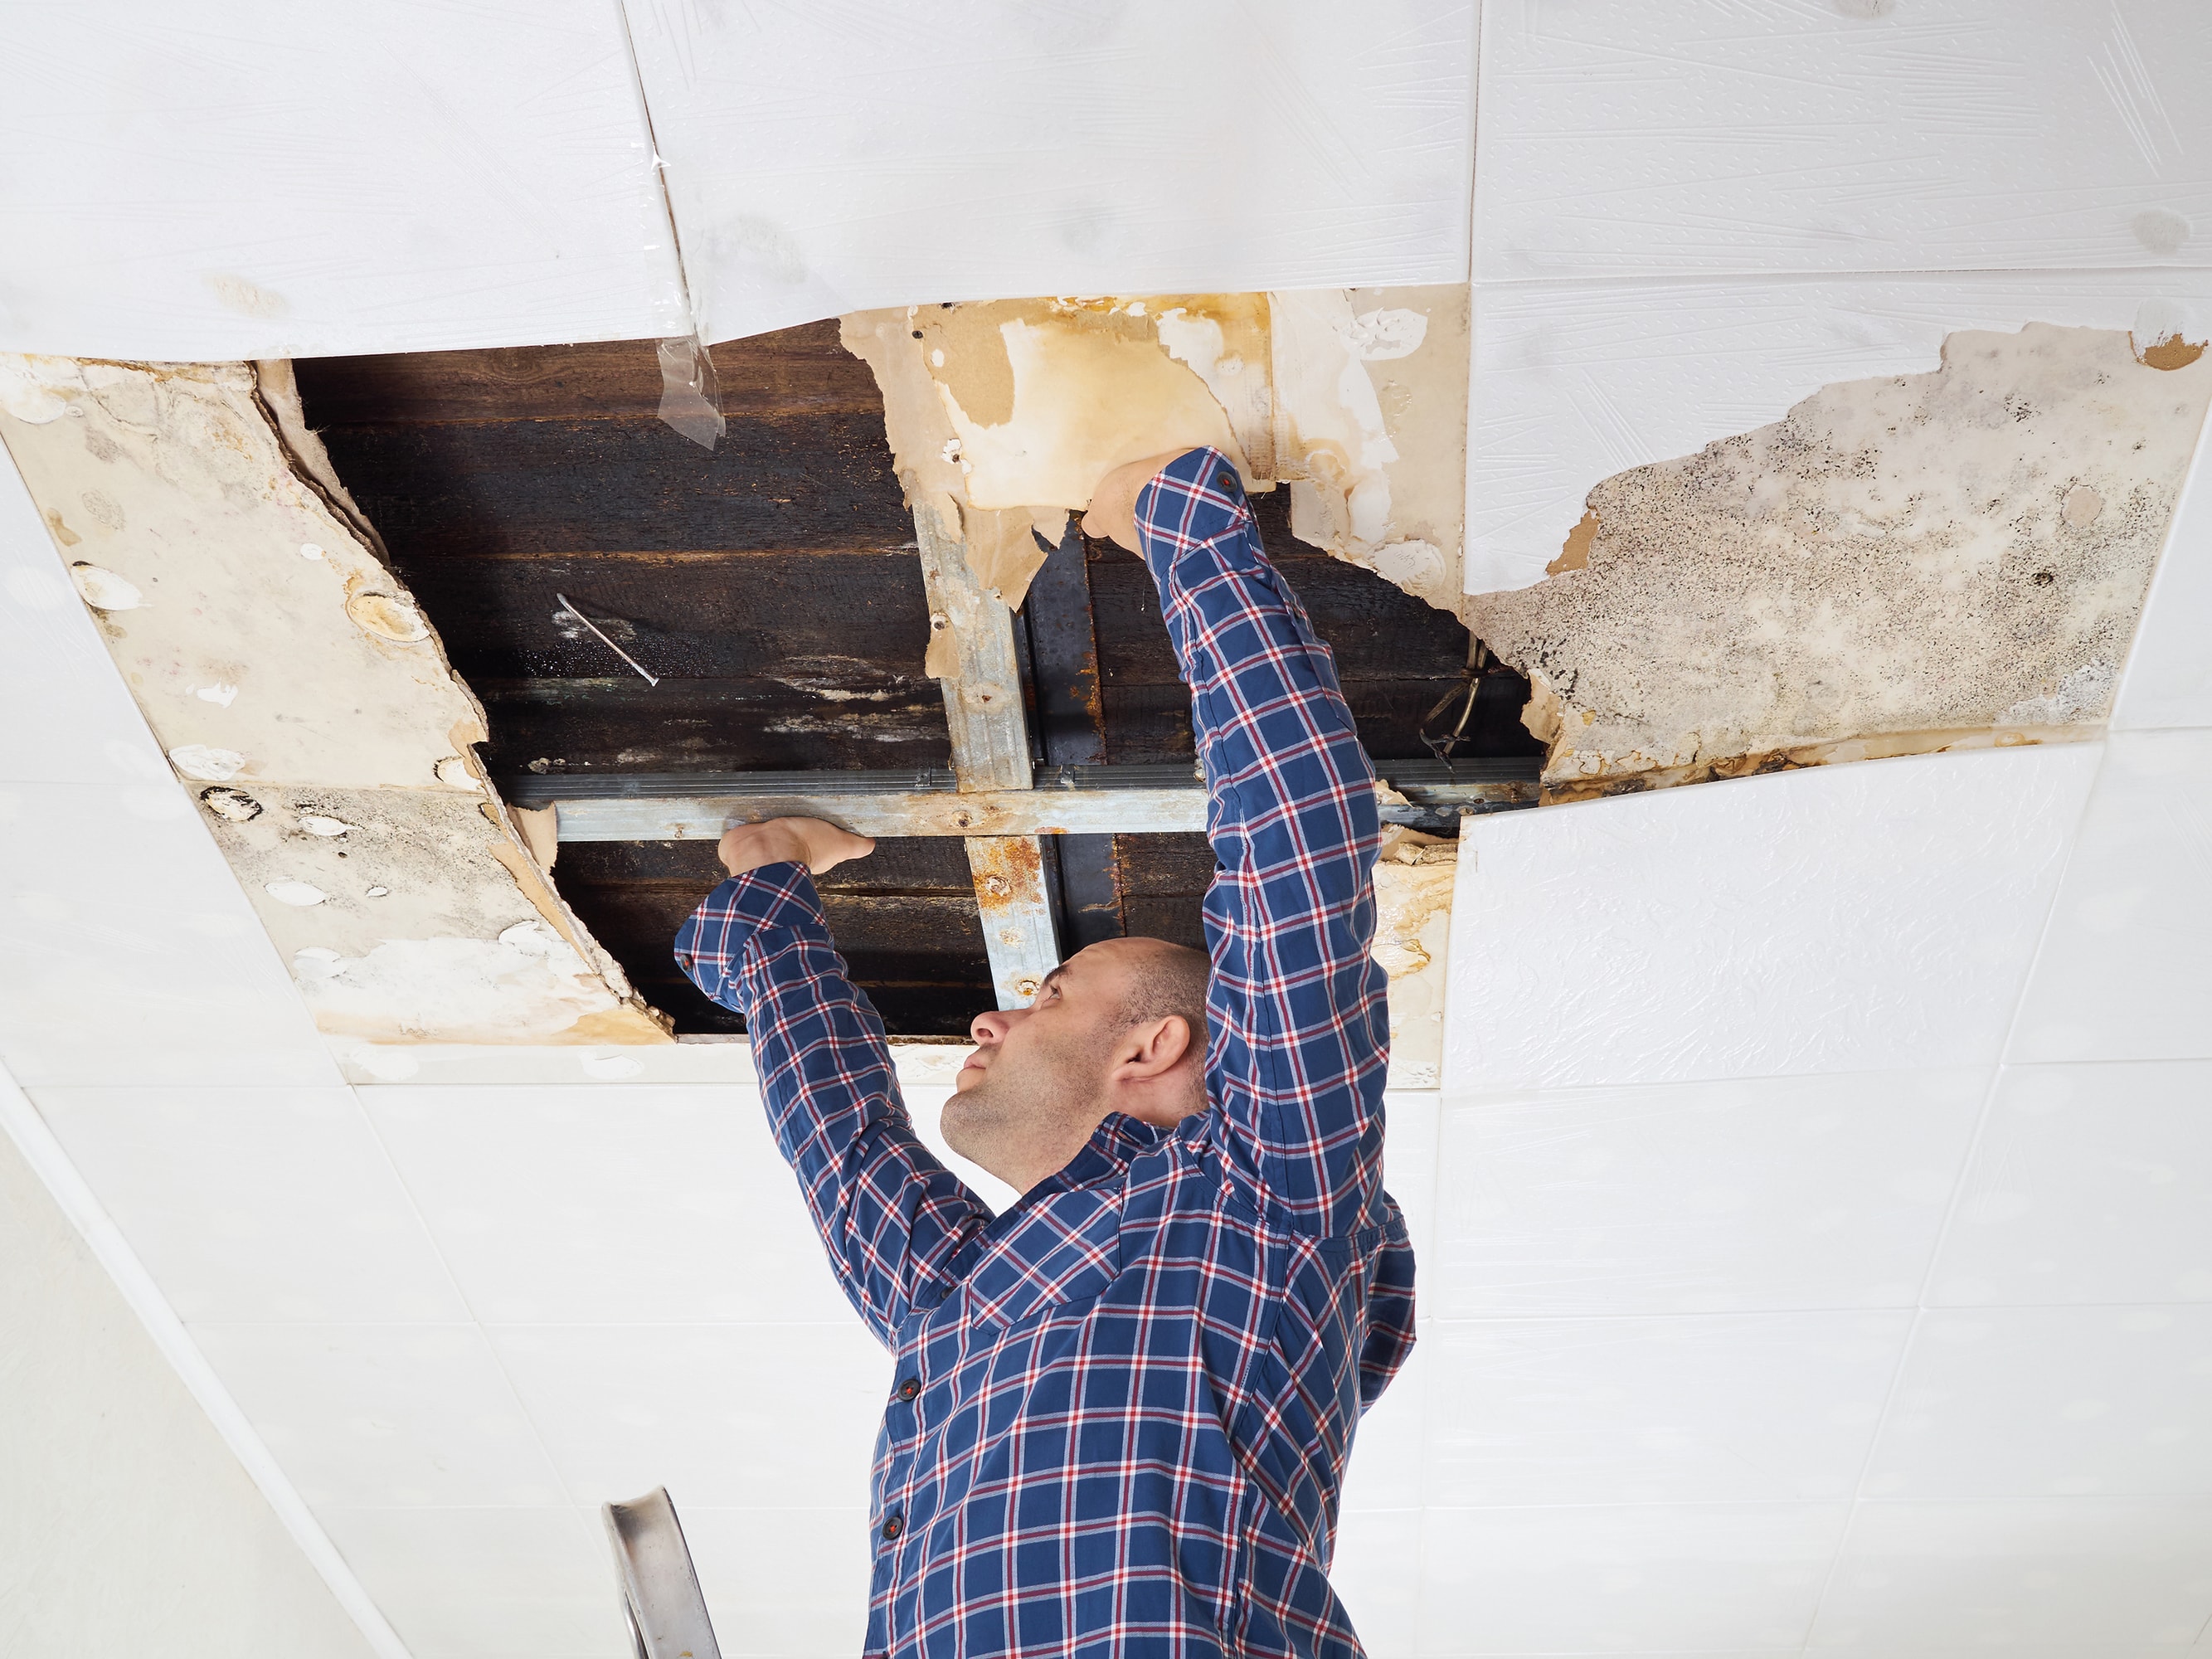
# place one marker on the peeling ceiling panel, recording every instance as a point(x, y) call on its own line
point(1574, 382)
point(221, 181)
point(2126, 974)
point(1620, 138)
point(1915, 563)
point(302, 699)
point(825, 161)
point(1847, 918)
point(1002, 416)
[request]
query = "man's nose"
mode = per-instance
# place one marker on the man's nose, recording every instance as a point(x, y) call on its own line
point(990, 1030)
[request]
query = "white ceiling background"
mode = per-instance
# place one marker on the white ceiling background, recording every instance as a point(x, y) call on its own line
point(1816, 1226)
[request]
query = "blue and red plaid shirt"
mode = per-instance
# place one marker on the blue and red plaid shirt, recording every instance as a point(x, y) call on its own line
point(1121, 1412)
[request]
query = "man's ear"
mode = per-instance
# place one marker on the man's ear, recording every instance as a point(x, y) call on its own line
point(1152, 1047)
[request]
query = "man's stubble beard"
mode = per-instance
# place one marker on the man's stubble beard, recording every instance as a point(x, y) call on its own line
point(1027, 1102)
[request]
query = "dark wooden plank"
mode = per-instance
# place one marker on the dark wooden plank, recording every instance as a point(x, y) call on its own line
point(717, 724)
point(467, 488)
point(1178, 920)
point(838, 618)
point(1155, 866)
point(793, 368)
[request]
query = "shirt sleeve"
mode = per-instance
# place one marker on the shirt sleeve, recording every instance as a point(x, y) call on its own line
point(898, 1225)
point(1300, 1027)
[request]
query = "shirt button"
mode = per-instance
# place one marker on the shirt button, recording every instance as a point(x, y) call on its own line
point(1225, 480)
point(910, 1387)
point(894, 1527)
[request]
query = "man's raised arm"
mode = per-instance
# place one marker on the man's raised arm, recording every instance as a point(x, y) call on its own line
point(1301, 1029)
point(894, 1220)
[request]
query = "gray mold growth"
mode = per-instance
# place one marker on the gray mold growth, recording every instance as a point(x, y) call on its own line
point(1917, 562)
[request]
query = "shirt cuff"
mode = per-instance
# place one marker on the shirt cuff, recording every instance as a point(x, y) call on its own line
point(1191, 501)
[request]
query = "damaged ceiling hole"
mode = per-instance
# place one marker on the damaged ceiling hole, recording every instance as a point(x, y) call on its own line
point(773, 586)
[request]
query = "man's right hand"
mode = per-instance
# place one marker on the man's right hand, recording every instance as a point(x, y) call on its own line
point(1112, 515)
point(818, 845)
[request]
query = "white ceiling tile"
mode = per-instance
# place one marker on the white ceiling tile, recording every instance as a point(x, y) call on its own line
point(255, 1203)
point(69, 705)
point(127, 951)
point(2044, 1402)
point(1874, 915)
point(2111, 1576)
point(1683, 1408)
point(2088, 1183)
point(622, 1202)
point(377, 1416)
point(821, 163)
point(1620, 138)
point(1377, 1574)
point(2125, 971)
point(253, 180)
point(1770, 1193)
point(725, 1416)
point(2168, 678)
point(1647, 1578)
point(1390, 1448)
point(1574, 382)
point(486, 1584)
point(793, 1583)
point(1411, 1124)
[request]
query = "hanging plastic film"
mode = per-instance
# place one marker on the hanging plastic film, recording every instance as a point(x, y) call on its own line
point(691, 393)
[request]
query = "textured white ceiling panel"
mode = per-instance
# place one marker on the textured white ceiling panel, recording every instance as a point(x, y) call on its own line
point(726, 1416)
point(2056, 1579)
point(1620, 138)
point(383, 1416)
point(256, 1204)
point(624, 1201)
point(2168, 681)
point(1841, 918)
point(783, 1581)
point(127, 952)
point(2126, 971)
point(488, 1583)
point(203, 180)
point(2049, 1402)
point(1573, 382)
point(1698, 1198)
point(2089, 1184)
point(1679, 1578)
point(1740, 1406)
point(827, 159)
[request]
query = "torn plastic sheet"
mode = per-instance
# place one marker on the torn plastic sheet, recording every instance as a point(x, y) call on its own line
point(691, 390)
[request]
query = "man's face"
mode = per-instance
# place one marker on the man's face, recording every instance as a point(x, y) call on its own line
point(1038, 1083)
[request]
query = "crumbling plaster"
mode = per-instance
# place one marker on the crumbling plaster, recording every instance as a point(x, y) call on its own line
point(305, 704)
point(1919, 561)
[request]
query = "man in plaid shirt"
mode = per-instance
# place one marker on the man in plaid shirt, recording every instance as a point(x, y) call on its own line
point(1121, 1412)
